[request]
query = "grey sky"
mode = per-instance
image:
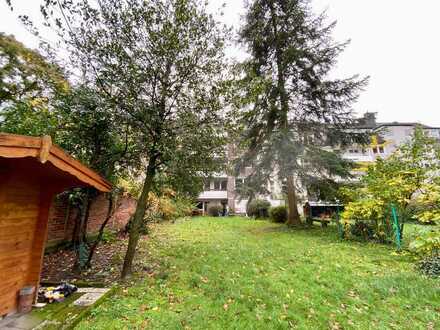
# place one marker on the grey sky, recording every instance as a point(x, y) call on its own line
point(395, 42)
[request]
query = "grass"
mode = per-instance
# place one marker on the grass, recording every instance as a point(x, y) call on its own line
point(236, 273)
point(64, 315)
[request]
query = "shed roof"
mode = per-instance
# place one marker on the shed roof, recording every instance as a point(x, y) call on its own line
point(41, 148)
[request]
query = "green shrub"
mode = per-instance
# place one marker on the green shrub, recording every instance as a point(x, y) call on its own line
point(215, 210)
point(430, 266)
point(278, 214)
point(258, 208)
point(185, 206)
point(427, 244)
point(168, 206)
point(361, 229)
point(109, 236)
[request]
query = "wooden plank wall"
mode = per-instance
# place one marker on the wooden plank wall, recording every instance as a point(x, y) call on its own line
point(19, 214)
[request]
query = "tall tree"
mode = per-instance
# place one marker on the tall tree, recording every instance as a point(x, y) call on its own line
point(25, 74)
point(29, 84)
point(88, 129)
point(292, 111)
point(36, 98)
point(159, 63)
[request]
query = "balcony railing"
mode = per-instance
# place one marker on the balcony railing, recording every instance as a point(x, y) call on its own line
point(214, 194)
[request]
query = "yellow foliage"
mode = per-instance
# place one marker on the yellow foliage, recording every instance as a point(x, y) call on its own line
point(429, 202)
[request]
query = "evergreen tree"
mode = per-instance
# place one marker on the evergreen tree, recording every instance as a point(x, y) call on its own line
point(293, 112)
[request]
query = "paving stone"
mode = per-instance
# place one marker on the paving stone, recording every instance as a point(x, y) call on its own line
point(22, 322)
point(88, 299)
point(97, 290)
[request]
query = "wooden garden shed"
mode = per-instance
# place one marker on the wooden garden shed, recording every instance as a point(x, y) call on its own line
point(32, 172)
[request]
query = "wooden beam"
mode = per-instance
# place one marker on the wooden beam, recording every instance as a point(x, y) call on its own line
point(46, 144)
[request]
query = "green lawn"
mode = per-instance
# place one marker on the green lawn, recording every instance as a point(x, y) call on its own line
point(241, 274)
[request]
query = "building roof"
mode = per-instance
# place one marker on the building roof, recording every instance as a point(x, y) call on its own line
point(395, 123)
point(42, 149)
point(322, 203)
point(368, 121)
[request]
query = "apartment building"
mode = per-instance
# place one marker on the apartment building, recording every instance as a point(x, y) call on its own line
point(385, 139)
point(221, 190)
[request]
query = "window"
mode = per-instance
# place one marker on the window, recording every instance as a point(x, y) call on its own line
point(381, 150)
point(220, 184)
point(207, 185)
point(375, 150)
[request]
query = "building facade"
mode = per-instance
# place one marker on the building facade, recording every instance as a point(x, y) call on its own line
point(221, 189)
point(385, 139)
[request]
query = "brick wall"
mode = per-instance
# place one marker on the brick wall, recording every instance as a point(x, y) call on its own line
point(61, 226)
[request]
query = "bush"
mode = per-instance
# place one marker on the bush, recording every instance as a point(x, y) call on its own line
point(258, 208)
point(361, 229)
point(168, 206)
point(167, 209)
point(215, 210)
point(278, 214)
point(427, 244)
point(430, 266)
point(109, 236)
point(185, 206)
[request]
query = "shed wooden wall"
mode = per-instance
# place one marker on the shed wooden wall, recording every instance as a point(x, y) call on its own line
point(23, 224)
point(32, 171)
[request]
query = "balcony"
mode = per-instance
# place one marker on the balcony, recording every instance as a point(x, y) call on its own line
point(359, 157)
point(213, 194)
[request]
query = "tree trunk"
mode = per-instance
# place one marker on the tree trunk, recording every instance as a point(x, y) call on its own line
point(250, 199)
point(137, 220)
point(101, 231)
point(81, 233)
point(294, 218)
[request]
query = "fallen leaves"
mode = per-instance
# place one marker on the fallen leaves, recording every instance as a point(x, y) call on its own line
point(106, 264)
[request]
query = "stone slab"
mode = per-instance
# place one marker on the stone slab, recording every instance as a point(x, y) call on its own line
point(21, 322)
point(96, 290)
point(88, 298)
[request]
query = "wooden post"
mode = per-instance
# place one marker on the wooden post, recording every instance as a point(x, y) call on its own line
point(40, 238)
point(46, 144)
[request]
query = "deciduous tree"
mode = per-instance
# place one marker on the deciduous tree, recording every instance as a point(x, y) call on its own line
point(159, 65)
point(404, 180)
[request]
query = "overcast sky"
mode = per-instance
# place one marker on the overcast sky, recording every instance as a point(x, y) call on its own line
point(395, 42)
